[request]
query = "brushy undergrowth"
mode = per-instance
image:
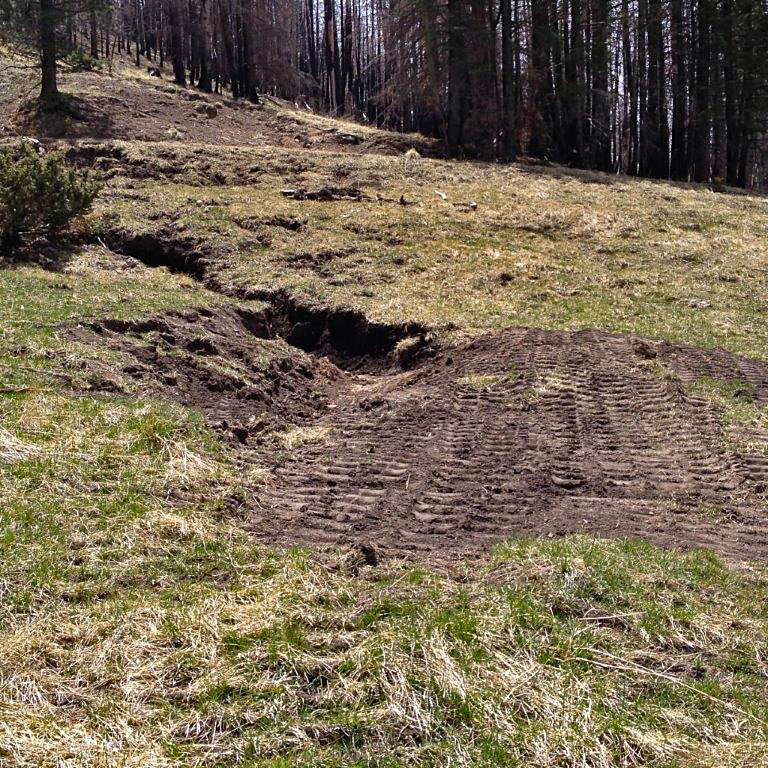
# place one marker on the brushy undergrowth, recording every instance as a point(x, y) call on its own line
point(80, 60)
point(39, 194)
point(139, 628)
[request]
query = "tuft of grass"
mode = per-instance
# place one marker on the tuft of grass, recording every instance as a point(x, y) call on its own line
point(488, 381)
point(744, 421)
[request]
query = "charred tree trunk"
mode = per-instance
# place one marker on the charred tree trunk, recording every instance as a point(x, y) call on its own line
point(678, 169)
point(508, 148)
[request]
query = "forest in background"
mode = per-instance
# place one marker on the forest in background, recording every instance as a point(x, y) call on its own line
point(658, 88)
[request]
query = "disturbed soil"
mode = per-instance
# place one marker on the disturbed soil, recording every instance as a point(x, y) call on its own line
point(526, 432)
point(416, 449)
point(218, 362)
point(516, 433)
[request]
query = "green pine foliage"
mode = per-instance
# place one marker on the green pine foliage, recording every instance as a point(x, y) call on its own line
point(39, 194)
point(80, 60)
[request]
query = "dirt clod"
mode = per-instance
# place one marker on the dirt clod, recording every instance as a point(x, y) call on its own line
point(326, 193)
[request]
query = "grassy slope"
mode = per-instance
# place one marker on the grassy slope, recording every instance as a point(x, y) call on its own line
point(545, 247)
point(138, 632)
point(139, 626)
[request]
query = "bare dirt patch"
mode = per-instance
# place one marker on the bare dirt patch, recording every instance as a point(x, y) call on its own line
point(212, 361)
point(517, 433)
point(127, 105)
point(344, 335)
point(524, 432)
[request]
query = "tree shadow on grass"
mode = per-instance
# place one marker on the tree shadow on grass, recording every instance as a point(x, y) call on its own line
point(70, 118)
point(51, 254)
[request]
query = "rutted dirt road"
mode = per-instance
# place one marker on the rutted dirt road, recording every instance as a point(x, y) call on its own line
point(526, 432)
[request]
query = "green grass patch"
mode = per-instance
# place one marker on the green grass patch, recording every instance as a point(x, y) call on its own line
point(744, 421)
point(140, 627)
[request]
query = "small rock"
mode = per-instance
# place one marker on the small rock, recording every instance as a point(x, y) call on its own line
point(368, 554)
point(349, 138)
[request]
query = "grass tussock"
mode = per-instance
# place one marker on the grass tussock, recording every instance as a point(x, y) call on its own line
point(744, 421)
point(139, 628)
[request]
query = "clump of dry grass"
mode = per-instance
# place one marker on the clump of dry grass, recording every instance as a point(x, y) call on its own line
point(744, 421)
point(12, 449)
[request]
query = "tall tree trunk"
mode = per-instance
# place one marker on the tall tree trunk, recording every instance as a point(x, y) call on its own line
point(331, 51)
point(457, 75)
point(49, 89)
point(642, 86)
point(93, 24)
point(204, 81)
point(541, 80)
point(702, 115)
point(601, 135)
point(630, 76)
point(656, 129)
point(177, 43)
point(573, 90)
point(678, 165)
point(508, 149)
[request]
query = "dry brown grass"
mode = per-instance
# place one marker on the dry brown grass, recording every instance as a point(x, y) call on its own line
point(548, 248)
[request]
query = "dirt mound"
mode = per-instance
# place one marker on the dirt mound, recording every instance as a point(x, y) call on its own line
point(212, 361)
point(525, 432)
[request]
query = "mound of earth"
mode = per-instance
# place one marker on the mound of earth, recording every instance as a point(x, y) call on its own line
point(526, 432)
point(210, 360)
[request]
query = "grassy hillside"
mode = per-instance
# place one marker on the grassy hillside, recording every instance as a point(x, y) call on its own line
point(161, 368)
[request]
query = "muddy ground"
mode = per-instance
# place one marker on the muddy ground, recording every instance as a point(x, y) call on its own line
point(525, 432)
point(421, 450)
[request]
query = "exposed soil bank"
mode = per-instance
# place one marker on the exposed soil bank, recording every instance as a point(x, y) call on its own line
point(345, 335)
point(517, 433)
point(211, 361)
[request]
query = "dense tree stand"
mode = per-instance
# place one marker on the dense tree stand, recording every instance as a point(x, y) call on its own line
point(660, 88)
